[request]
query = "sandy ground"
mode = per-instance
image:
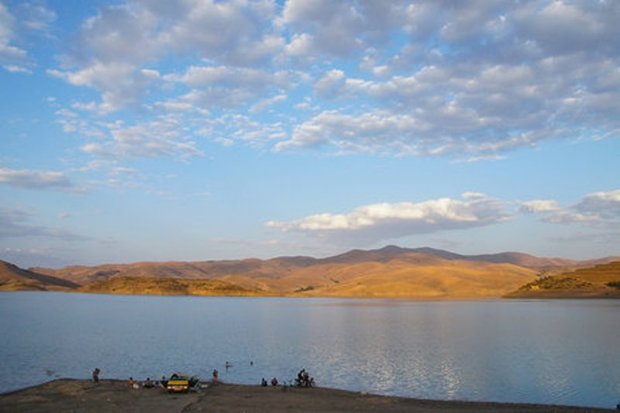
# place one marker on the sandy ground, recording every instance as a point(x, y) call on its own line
point(68, 395)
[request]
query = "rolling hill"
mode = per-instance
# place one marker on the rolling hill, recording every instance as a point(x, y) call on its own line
point(387, 272)
point(13, 278)
point(599, 281)
point(167, 286)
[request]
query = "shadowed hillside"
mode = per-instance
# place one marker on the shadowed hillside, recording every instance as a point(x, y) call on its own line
point(13, 278)
point(599, 281)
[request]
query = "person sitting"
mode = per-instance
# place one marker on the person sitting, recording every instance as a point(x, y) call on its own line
point(263, 382)
point(163, 382)
point(274, 382)
point(148, 384)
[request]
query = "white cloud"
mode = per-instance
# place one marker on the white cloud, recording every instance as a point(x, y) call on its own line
point(10, 55)
point(540, 205)
point(373, 132)
point(36, 17)
point(392, 220)
point(26, 178)
point(596, 208)
point(266, 103)
point(236, 33)
point(499, 76)
point(340, 28)
point(229, 129)
point(164, 136)
point(17, 69)
point(120, 84)
point(230, 87)
point(22, 19)
point(605, 205)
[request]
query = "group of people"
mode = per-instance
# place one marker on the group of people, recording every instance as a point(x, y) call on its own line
point(263, 382)
point(147, 384)
point(303, 379)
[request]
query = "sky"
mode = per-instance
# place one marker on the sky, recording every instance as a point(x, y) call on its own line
point(158, 130)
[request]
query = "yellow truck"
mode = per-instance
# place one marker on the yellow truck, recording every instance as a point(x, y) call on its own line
point(181, 383)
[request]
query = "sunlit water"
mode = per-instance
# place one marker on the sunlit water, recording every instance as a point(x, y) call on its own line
point(557, 351)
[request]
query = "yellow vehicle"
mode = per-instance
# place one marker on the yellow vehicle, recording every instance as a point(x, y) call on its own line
point(178, 383)
point(181, 383)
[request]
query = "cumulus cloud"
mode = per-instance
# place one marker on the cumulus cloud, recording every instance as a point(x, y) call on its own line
point(237, 33)
point(339, 28)
point(229, 86)
point(476, 109)
point(605, 205)
point(120, 84)
point(10, 55)
point(471, 80)
point(393, 220)
point(501, 76)
point(22, 19)
point(160, 137)
point(596, 208)
point(229, 129)
point(539, 205)
point(31, 179)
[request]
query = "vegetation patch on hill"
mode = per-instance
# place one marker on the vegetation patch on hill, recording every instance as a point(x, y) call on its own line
point(599, 281)
point(168, 286)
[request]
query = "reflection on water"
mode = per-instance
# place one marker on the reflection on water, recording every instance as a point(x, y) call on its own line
point(561, 352)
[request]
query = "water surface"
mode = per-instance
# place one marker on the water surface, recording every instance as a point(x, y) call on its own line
point(537, 351)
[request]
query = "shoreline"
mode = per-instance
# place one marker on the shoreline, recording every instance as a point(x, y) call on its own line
point(344, 297)
point(111, 395)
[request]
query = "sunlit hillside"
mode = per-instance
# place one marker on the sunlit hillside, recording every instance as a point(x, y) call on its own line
point(390, 272)
point(598, 281)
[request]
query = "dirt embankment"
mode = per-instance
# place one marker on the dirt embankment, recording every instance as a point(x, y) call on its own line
point(67, 395)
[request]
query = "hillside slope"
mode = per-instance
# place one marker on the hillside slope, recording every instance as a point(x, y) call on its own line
point(387, 272)
point(599, 281)
point(13, 278)
point(167, 286)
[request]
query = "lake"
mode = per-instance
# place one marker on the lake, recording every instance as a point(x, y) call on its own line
point(536, 351)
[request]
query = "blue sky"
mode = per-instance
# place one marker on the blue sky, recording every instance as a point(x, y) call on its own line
point(197, 129)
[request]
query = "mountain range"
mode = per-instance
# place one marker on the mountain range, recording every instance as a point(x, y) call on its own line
point(387, 272)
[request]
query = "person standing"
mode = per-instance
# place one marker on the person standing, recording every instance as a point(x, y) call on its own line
point(96, 375)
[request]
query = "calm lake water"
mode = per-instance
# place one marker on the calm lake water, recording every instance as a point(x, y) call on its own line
point(561, 352)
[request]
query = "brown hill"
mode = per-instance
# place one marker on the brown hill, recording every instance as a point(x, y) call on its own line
point(13, 278)
point(387, 272)
point(516, 258)
point(167, 286)
point(599, 281)
point(400, 279)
